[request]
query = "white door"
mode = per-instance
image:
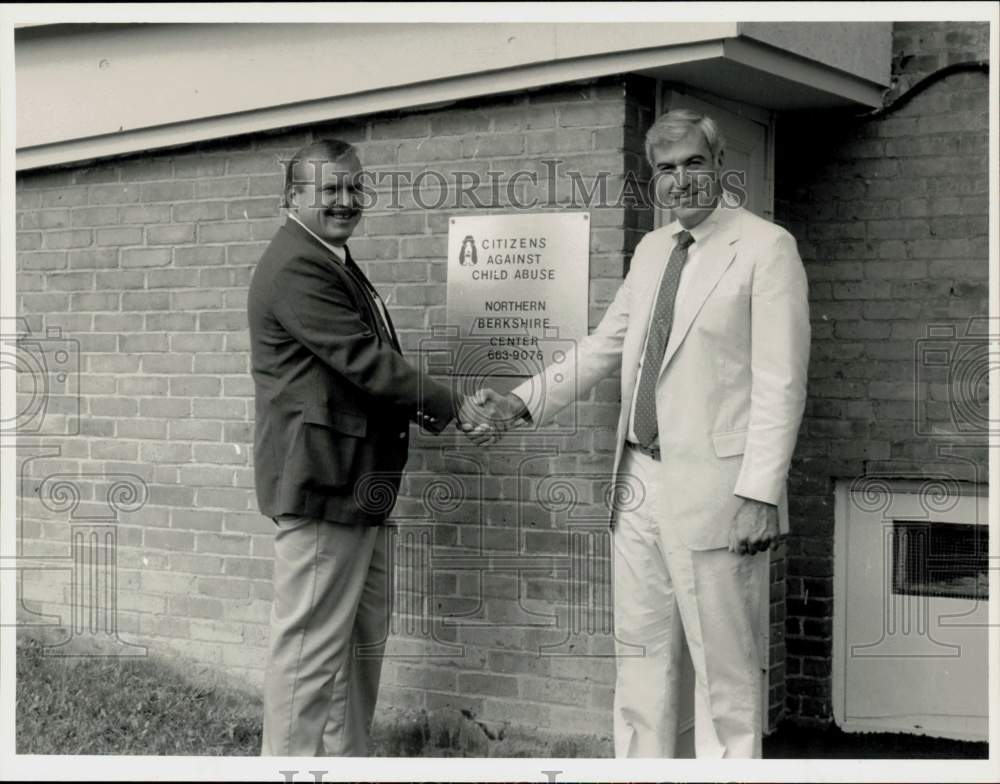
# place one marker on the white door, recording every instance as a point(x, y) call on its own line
point(911, 614)
point(747, 165)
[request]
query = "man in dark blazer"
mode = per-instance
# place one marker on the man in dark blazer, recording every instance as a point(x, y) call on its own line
point(334, 399)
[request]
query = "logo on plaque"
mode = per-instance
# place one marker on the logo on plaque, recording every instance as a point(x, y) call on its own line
point(467, 255)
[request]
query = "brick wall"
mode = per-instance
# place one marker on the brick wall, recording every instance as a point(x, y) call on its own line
point(890, 213)
point(143, 263)
point(485, 660)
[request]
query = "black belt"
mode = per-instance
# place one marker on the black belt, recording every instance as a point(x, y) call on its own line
point(648, 451)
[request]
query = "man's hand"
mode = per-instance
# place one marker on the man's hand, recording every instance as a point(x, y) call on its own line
point(476, 415)
point(755, 528)
point(486, 415)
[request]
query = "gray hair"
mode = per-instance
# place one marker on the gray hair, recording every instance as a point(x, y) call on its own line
point(320, 151)
point(675, 124)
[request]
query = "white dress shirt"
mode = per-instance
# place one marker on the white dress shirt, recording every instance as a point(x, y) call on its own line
point(699, 232)
point(336, 250)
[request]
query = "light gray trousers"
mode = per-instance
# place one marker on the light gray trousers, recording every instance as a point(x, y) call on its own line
point(666, 594)
point(329, 623)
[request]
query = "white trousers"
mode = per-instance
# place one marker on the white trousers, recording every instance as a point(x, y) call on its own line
point(329, 623)
point(665, 594)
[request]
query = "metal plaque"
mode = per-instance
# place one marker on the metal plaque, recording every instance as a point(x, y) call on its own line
point(517, 291)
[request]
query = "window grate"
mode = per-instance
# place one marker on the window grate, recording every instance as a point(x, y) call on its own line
point(940, 559)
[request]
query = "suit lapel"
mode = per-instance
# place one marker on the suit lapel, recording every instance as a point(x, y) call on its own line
point(714, 259)
point(363, 290)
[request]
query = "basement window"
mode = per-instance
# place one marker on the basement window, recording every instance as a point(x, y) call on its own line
point(940, 559)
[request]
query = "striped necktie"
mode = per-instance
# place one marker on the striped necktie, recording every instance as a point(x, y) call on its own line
point(656, 342)
point(381, 310)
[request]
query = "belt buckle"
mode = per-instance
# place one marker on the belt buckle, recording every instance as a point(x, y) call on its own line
point(649, 451)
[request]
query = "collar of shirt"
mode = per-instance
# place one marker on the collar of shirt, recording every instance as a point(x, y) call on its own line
point(338, 252)
point(706, 227)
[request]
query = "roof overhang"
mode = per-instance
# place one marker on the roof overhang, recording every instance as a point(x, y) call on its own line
point(90, 92)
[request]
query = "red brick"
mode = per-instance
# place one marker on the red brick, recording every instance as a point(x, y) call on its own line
point(147, 169)
point(145, 213)
point(246, 209)
point(207, 476)
point(168, 540)
point(223, 544)
point(196, 342)
point(120, 236)
point(402, 128)
point(42, 260)
point(222, 320)
point(30, 281)
point(193, 565)
point(265, 229)
point(225, 232)
point(198, 519)
point(145, 257)
point(200, 255)
point(177, 234)
point(146, 300)
point(457, 123)
point(591, 115)
point(486, 145)
point(171, 322)
point(164, 408)
point(222, 186)
point(199, 211)
point(248, 523)
point(524, 118)
point(197, 167)
point(113, 194)
point(258, 568)
point(70, 281)
point(436, 678)
point(94, 301)
point(166, 191)
point(223, 588)
point(82, 217)
point(168, 278)
point(268, 185)
point(71, 238)
point(195, 430)
point(253, 163)
point(196, 607)
point(245, 253)
point(400, 223)
point(166, 453)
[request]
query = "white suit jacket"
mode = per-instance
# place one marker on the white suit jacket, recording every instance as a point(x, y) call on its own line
point(732, 387)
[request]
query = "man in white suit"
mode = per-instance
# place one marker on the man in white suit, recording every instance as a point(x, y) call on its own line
point(710, 330)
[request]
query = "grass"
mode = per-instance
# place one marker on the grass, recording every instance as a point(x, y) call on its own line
point(117, 705)
point(453, 733)
point(126, 705)
point(109, 705)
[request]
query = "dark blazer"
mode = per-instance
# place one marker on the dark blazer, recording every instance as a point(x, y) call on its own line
point(333, 394)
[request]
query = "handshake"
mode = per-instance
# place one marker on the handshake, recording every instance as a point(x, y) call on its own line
point(486, 415)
